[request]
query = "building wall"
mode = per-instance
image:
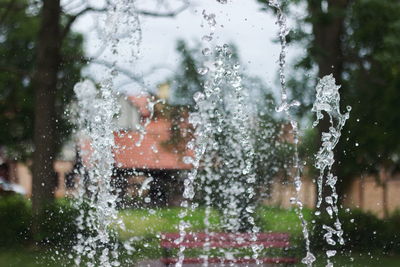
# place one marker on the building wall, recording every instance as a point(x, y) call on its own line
point(22, 175)
point(365, 193)
point(282, 192)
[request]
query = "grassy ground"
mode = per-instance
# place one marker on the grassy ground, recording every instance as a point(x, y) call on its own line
point(143, 228)
point(363, 260)
point(149, 224)
point(145, 223)
point(24, 257)
point(27, 258)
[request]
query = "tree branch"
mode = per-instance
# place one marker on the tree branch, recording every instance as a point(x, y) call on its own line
point(163, 14)
point(137, 79)
point(72, 19)
point(8, 7)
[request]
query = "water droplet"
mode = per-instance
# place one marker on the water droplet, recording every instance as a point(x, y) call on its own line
point(203, 70)
point(330, 253)
point(308, 259)
point(206, 51)
point(207, 38)
point(187, 160)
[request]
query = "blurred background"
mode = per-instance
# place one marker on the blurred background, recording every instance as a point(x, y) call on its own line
point(47, 46)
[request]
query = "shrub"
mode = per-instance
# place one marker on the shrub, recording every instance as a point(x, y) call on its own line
point(362, 232)
point(58, 225)
point(15, 219)
point(393, 232)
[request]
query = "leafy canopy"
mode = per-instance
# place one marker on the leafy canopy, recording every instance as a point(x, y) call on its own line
point(18, 42)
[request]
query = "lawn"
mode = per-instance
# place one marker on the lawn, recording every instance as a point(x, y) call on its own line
point(144, 226)
point(145, 223)
point(363, 260)
point(28, 258)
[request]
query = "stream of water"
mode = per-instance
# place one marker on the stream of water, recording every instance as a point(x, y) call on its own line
point(223, 174)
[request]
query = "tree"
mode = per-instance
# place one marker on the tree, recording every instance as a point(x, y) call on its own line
point(19, 30)
point(47, 68)
point(36, 87)
point(358, 42)
point(186, 82)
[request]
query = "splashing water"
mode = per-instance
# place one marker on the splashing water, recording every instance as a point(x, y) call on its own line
point(224, 148)
point(285, 106)
point(96, 197)
point(222, 145)
point(328, 101)
point(198, 145)
point(121, 28)
point(142, 128)
point(225, 115)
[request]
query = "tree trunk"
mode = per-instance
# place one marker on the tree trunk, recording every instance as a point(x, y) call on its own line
point(327, 51)
point(385, 200)
point(383, 179)
point(45, 84)
point(361, 193)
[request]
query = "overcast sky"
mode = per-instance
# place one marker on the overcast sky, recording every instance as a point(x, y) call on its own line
point(241, 22)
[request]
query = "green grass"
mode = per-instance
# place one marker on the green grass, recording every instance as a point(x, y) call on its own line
point(144, 227)
point(361, 260)
point(29, 258)
point(281, 220)
point(24, 257)
point(148, 224)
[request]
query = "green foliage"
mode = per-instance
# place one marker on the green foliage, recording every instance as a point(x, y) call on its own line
point(15, 219)
point(372, 83)
point(367, 65)
point(186, 82)
point(58, 223)
point(18, 44)
point(18, 34)
point(362, 232)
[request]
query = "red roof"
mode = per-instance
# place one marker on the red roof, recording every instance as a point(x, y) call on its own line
point(142, 104)
point(151, 153)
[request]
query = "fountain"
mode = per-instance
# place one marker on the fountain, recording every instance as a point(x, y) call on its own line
point(96, 198)
point(223, 170)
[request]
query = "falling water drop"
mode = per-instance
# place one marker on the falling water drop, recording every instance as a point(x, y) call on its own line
point(202, 71)
point(206, 51)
